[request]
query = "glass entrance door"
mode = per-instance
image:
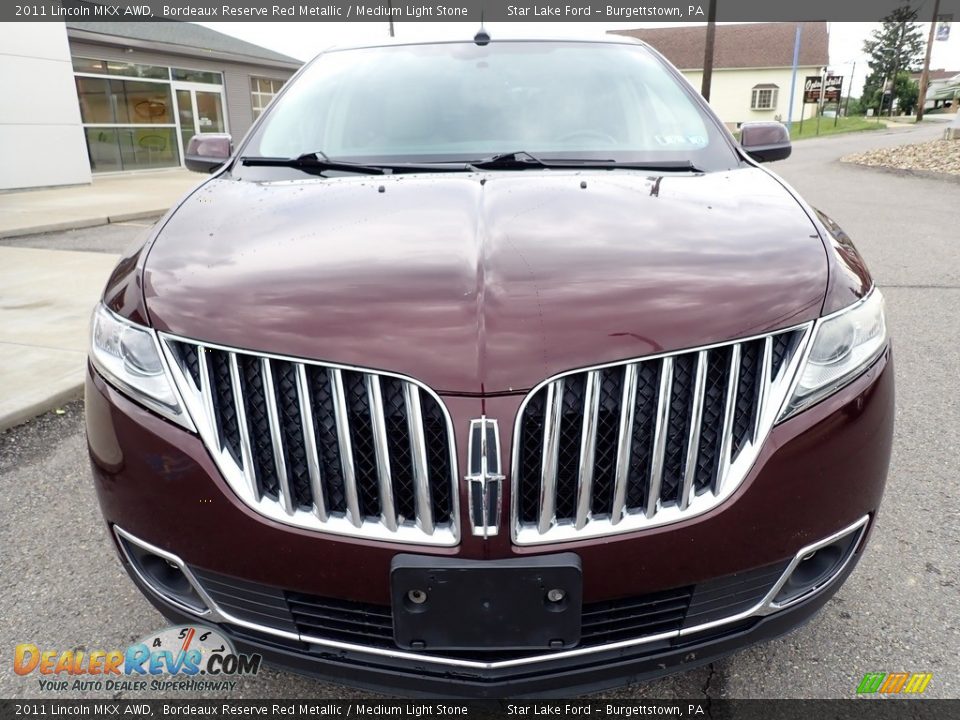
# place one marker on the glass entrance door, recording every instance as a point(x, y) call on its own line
point(199, 110)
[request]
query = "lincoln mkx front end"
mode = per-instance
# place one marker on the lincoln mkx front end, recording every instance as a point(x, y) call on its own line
point(413, 414)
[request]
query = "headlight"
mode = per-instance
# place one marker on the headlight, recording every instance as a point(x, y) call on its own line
point(129, 357)
point(843, 346)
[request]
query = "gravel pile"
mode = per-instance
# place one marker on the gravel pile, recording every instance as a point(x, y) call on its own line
point(939, 156)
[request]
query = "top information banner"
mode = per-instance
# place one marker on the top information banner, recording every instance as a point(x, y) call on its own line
point(463, 10)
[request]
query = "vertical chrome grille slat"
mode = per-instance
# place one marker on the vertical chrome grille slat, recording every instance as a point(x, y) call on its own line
point(660, 435)
point(588, 446)
point(346, 447)
point(206, 391)
point(418, 454)
point(650, 441)
point(310, 443)
point(388, 512)
point(246, 454)
point(726, 441)
point(624, 442)
point(766, 371)
point(284, 490)
point(693, 439)
point(553, 413)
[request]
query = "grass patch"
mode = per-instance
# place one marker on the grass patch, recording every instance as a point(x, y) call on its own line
point(844, 125)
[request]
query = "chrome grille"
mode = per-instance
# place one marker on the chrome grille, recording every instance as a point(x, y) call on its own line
point(323, 447)
point(638, 444)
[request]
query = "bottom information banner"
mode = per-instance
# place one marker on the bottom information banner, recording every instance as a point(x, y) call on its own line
point(697, 708)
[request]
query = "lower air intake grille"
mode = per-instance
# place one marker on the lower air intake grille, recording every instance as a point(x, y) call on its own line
point(654, 614)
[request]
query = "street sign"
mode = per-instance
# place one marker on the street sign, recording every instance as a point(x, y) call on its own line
point(811, 89)
point(833, 89)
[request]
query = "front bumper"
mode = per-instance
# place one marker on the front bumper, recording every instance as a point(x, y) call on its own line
point(592, 672)
point(818, 472)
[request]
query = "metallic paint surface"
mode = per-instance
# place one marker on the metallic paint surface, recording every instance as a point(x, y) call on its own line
point(480, 283)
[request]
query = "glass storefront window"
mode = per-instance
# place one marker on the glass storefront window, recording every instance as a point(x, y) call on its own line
point(131, 122)
point(185, 107)
point(115, 149)
point(124, 101)
point(142, 103)
point(96, 103)
point(198, 76)
point(210, 112)
point(115, 67)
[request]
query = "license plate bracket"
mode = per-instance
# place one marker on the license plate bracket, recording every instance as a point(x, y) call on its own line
point(486, 605)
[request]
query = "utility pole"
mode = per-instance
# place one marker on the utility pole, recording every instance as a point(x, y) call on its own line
point(708, 50)
point(925, 75)
point(846, 105)
point(823, 87)
point(793, 80)
point(390, 15)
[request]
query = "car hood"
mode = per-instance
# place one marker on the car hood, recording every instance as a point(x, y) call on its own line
point(487, 282)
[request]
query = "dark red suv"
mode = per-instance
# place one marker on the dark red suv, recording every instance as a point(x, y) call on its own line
point(491, 368)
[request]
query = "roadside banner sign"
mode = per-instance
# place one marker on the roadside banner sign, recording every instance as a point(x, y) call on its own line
point(943, 27)
point(811, 89)
point(833, 89)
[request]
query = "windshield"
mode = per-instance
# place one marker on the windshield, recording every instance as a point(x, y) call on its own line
point(450, 102)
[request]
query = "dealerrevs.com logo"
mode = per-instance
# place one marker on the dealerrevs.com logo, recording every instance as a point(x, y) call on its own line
point(184, 657)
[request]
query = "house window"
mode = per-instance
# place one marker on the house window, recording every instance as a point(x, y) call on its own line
point(262, 91)
point(764, 97)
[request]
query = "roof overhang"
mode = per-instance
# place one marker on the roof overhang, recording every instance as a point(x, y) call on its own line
point(174, 49)
point(751, 69)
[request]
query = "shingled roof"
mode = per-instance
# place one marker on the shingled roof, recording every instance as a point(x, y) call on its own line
point(939, 74)
point(755, 45)
point(186, 38)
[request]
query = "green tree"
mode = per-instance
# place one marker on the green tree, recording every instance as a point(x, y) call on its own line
point(893, 48)
point(852, 106)
point(906, 90)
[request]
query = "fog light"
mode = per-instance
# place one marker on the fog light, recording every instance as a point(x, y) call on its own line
point(816, 568)
point(162, 573)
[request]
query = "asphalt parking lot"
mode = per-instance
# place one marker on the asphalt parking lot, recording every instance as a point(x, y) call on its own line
point(900, 610)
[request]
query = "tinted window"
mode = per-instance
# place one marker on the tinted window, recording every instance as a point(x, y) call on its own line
point(461, 101)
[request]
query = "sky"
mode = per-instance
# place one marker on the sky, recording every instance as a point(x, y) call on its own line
point(303, 40)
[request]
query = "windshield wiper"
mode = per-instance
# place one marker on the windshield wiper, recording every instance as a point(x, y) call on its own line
point(318, 163)
point(315, 162)
point(522, 160)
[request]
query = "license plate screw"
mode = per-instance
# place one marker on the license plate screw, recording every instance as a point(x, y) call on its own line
point(555, 595)
point(417, 597)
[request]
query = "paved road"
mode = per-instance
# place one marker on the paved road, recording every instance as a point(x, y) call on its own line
point(899, 611)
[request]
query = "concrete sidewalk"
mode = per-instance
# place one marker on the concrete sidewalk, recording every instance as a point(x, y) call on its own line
point(113, 198)
point(45, 304)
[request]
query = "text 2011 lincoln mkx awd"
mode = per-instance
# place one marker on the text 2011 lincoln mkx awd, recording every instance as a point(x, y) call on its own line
point(491, 368)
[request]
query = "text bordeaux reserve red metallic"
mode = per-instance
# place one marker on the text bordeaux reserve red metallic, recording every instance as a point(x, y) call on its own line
point(491, 368)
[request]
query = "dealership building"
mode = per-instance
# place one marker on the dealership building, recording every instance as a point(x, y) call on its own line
point(85, 98)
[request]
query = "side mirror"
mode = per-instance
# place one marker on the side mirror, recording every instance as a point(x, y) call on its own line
point(208, 151)
point(765, 141)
